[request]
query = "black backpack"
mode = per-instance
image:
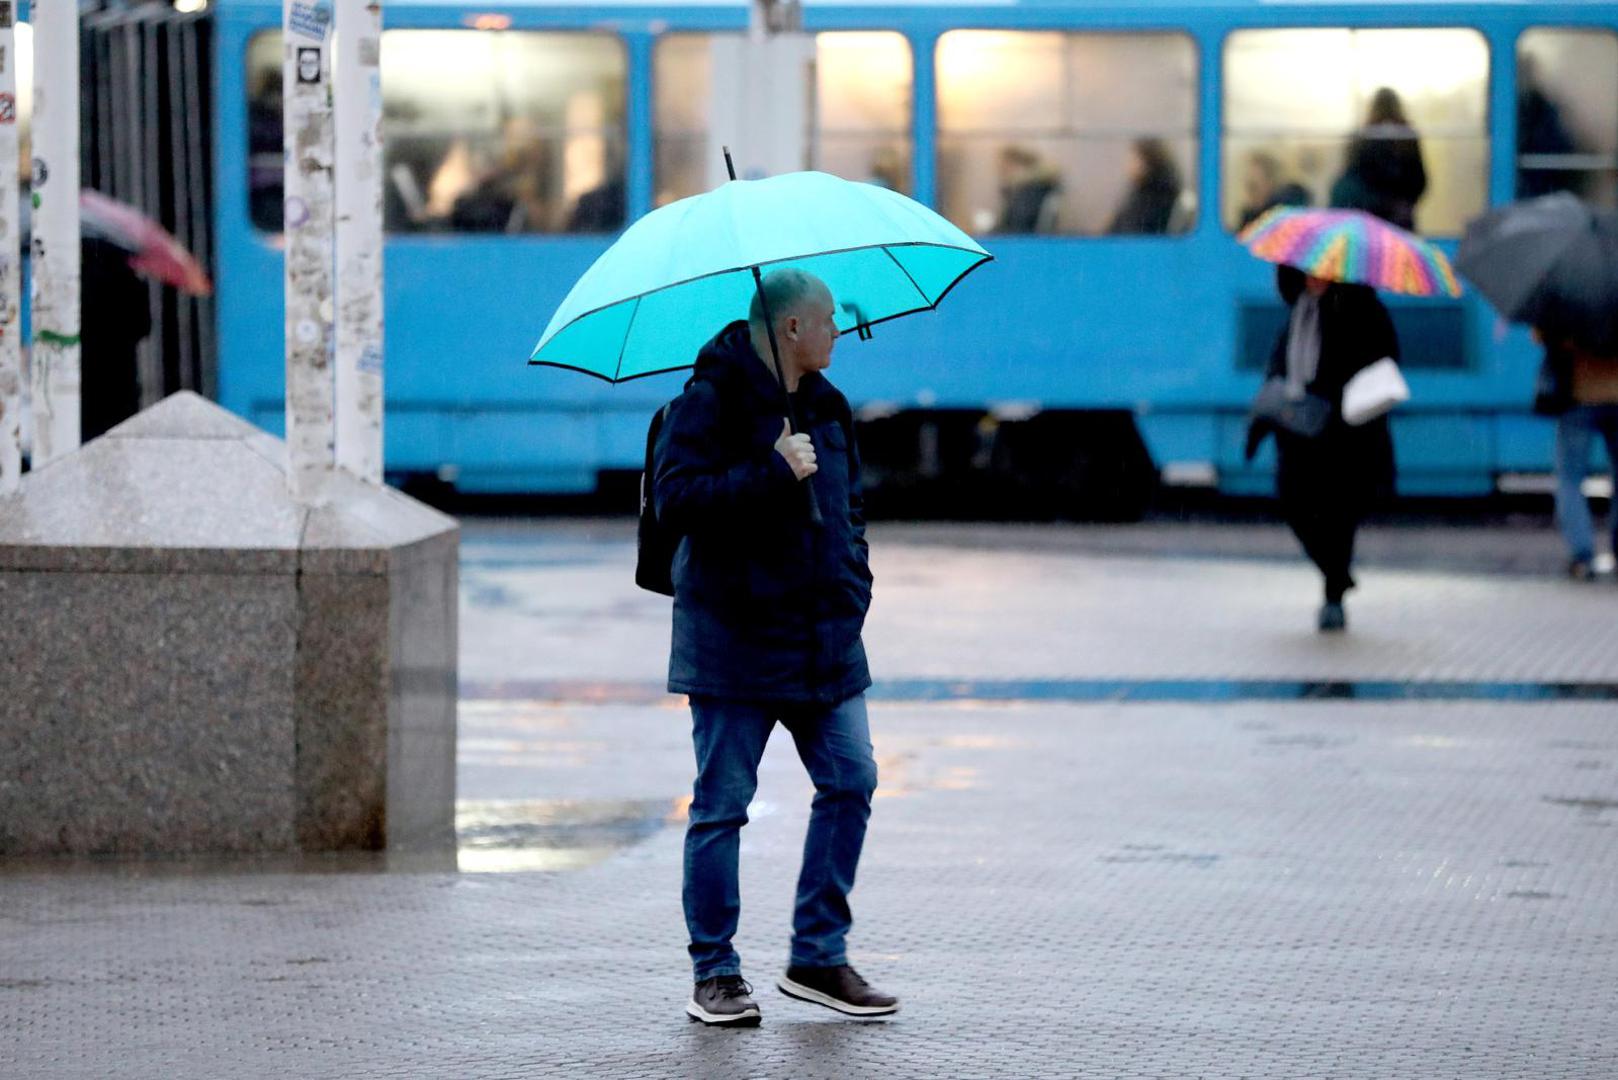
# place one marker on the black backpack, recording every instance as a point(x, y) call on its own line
point(655, 544)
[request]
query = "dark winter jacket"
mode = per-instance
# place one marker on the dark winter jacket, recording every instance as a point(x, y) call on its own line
point(1149, 207)
point(767, 605)
point(1355, 332)
point(1385, 174)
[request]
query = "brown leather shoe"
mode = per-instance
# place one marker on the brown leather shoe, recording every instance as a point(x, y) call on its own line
point(839, 988)
point(723, 1001)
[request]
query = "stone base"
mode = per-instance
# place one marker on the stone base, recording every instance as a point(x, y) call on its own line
point(192, 662)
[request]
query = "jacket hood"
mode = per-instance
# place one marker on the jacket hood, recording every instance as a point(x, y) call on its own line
point(731, 364)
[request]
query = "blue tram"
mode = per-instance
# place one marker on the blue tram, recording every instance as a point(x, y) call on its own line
point(1105, 152)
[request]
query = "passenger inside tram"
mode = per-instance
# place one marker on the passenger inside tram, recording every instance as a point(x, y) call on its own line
point(1384, 173)
point(1154, 190)
point(1029, 188)
point(1265, 186)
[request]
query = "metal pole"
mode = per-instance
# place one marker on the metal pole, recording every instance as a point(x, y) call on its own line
point(815, 516)
point(357, 89)
point(307, 127)
point(54, 358)
point(10, 271)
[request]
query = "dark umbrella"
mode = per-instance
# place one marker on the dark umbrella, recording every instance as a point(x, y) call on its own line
point(1552, 263)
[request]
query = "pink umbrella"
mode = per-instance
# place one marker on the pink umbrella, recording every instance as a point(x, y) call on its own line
point(153, 251)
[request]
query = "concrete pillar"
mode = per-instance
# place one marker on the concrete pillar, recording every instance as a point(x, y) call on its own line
point(54, 358)
point(10, 271)
point(310, 310)
point(358, 102)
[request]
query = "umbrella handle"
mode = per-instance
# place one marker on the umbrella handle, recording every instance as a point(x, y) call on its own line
point(815, 516)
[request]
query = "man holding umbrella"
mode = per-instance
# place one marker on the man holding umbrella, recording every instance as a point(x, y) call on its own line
point(768, 610)
point(754, 472)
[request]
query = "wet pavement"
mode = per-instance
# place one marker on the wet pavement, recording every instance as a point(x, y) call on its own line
point(1136, 819)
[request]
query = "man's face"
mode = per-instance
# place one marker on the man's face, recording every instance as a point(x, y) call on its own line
point(812, 329)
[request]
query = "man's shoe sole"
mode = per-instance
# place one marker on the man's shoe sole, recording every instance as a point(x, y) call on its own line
point(750, 1018)
point(816, 997)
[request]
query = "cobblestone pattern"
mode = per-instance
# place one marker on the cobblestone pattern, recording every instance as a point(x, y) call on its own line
point(1243, 890)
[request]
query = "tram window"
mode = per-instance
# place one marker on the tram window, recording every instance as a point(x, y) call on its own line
point(1067, 133)
point(23, 39)
point(1391, 121)
point(483, 131)
point(857, 126)
point(1567, 113)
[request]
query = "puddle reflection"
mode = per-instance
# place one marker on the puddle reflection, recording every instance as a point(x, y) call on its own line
point(514, 835)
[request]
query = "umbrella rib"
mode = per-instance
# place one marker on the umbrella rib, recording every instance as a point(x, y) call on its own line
point(618, 368)
point(984, 256)
point(906, 273)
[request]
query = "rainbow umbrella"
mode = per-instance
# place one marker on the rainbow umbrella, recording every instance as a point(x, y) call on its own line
point(1351, 246)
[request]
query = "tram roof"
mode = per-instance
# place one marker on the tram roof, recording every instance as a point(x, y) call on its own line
point(1116, 6)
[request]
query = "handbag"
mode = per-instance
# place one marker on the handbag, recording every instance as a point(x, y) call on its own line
point(1304, 416)
point(1373, 391)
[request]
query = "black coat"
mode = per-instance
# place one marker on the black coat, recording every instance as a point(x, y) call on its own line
point(1149, 207)
point(767, 606)
point(1355, 464)
point(1385, 174)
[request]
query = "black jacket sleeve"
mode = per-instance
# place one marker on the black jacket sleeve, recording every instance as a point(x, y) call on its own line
point(695, 487)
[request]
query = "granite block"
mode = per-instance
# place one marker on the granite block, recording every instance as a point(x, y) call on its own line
point(424, 615)
point(341, 712)
point(198, 663)
point(145, 713)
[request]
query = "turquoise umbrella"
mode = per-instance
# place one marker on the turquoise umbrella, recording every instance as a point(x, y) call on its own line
point(680, 273)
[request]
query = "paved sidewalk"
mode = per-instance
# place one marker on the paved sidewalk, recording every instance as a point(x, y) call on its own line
point(1246, 888)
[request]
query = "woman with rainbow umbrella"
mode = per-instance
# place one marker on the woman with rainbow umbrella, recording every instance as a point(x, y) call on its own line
point(1333, 374)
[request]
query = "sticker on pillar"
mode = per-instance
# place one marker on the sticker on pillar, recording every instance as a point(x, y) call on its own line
point(297, 212)
point(42, 173)
point(8, 108)
point(371, 360)
point(309, 20)
point(308, 64)
point(308, 332)
point(370, 52)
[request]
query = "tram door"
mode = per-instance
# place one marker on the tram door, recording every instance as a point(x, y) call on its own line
point(146, 124)
point(763, 94)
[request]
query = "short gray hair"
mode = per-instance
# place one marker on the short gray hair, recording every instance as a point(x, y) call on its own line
point(785, 290)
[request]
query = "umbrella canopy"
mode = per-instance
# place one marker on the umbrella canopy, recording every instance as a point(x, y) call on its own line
point(681, 272)
point(1351, 246)
point(1551, 262)
point(152, 250)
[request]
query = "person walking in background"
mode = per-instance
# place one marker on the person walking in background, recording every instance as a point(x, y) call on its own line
point(768, 612)
point(1154, 190)
point(1580, 390)
point(1384, 174)
point(117, 317)
point(1329, 474)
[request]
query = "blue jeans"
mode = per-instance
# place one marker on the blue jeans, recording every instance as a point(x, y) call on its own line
point(834, 743)
point(1576, 429)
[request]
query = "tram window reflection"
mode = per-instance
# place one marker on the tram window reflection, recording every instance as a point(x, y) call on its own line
point(1390, 121)
point(1067, 133)
point(483, 131)
point(857, 126)
point(23, 45)
point(1567, 113)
